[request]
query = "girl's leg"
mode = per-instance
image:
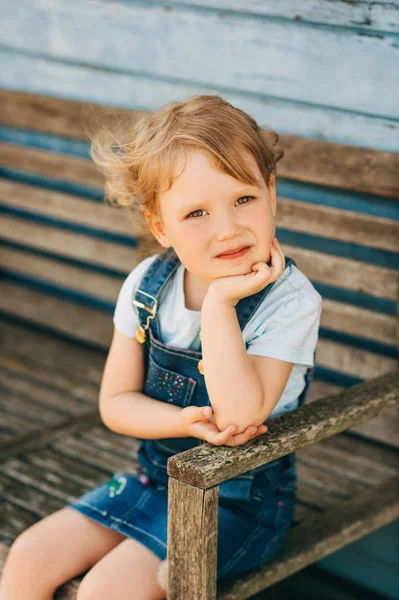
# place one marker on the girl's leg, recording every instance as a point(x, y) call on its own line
point(128, 571)
point(51, 552)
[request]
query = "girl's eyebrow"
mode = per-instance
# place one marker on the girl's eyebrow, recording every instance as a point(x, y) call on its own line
point(237, 193)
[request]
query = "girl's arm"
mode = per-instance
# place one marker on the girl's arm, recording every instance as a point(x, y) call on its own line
point(139, 416)
point(123, 407)
point(239, 393)
point(126, 410)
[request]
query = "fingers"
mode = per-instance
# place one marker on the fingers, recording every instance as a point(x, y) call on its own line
point(221, 439)
point(278, 258)
point(250, 433)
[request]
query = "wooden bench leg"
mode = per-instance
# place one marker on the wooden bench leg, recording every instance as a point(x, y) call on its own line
point(192, 541)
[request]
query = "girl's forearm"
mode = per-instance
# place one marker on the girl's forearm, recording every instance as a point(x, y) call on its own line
point(234, 388)
point(139, 416)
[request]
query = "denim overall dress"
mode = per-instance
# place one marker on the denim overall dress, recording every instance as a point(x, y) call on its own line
point(256, 509)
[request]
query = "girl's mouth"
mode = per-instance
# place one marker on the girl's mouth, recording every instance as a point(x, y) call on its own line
point(236, 254)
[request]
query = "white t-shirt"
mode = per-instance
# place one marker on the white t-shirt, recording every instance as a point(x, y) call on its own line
point(285, 325)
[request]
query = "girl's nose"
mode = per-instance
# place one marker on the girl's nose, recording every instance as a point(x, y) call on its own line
point(227, 227)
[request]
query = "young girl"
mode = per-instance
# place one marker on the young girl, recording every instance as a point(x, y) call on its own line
point(215, 332)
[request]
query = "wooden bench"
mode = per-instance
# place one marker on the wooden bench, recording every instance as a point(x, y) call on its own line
point(63, 256)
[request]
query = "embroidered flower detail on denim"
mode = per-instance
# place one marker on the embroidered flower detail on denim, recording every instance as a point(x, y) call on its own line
point(116, 486)
point(143, 475)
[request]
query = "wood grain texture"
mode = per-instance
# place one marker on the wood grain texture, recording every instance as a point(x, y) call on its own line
point(207, 465)
point(374, 280)
point(366, 15)
point(42, 75)
point(293, 215)
point(196, 43)
point(333, 164)
point(332, 476)
point(312, 540)
point(338, 316)
point(92, 325)
point(192, 541)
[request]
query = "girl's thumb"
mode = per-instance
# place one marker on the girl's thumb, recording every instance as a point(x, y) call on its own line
point(206, 411)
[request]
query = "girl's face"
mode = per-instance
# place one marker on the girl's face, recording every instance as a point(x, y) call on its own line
point(207, 212)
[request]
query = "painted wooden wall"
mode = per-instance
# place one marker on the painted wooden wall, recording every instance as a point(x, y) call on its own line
point(319, 69)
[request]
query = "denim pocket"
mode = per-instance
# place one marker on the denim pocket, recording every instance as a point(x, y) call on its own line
point(280, 478)
point(237, 488)
point(168, 386)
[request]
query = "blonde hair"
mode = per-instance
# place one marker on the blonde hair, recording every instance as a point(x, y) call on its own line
point(139, 153)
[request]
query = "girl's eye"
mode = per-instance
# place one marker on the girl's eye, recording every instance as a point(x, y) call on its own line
point(201, 210)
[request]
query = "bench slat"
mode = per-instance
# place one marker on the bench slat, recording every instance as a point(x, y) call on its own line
point(353, 320)
point(319, 267)
point(337, 165)
point(293, 215)
point(96, 326)
point(311, 541)
point(207, 465)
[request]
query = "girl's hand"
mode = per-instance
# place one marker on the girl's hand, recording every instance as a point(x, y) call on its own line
point(231, 289)
point(202, 426)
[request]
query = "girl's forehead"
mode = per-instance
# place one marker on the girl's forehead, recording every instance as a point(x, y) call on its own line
point(195, 167)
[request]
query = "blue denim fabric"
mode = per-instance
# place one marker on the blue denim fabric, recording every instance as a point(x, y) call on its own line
point(256, 509)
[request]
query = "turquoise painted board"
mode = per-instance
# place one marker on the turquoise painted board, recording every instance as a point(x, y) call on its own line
point(372, 561)
point(322, 80)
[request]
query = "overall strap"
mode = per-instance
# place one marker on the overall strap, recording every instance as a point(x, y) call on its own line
point(159, 273)
point(146, 297)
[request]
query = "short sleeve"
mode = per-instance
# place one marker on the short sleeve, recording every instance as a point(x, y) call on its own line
point(125, 317)
point(291, 332)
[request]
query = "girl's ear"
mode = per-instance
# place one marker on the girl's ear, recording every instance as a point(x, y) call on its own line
point(157, 229)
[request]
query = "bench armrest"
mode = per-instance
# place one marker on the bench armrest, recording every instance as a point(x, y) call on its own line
point(206, 465)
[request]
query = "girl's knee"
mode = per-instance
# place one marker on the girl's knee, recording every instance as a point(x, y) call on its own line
point(27, 555)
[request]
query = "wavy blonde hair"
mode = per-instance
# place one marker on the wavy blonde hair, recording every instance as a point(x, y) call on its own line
point(139, 154)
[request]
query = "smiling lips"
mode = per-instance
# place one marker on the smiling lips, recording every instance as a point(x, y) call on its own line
point(234, 253)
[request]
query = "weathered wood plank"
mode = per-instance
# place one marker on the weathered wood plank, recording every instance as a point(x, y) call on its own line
point(41, 74)
point(66, 37)
point(53, 359)
point(18, 491)
point(95, 326)
point(352, 361)
point(345, 273)
point(77, 448)
point(50, 164)
point(339, 316)
point(39, 395)
point(192, 541)
point(35, 439)
point(340, 466)
point(23, 373)
point(368, 15)
point(65, 276)
point(66, 207)
point(358, 321)
point(317, 266)
point(338, 165)
point(70, 244)
point(333, 223)
point(206, 465)
point(293, 215)
point(78, 321)
point(311, 541)
point(383, 428)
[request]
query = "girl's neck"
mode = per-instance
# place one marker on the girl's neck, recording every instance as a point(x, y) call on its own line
point(194, 291)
